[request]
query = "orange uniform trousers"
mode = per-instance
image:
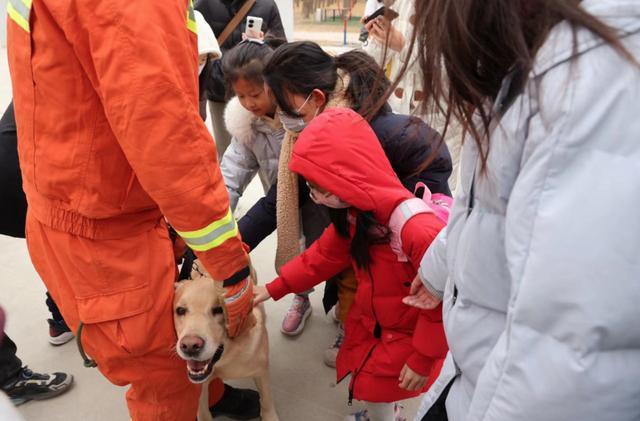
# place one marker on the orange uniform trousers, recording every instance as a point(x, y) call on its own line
point(133, 342)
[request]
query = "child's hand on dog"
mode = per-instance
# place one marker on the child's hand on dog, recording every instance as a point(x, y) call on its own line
point(260, 294)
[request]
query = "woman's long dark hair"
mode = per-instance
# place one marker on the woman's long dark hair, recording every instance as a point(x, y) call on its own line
point(465, 49)
point(301, 67)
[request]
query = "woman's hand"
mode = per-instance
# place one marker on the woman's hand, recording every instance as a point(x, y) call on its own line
point(410, 380)
point(378, 29)
point(260, 294)
point(419, 296)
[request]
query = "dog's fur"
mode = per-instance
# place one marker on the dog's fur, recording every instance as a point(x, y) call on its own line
point(246, 356)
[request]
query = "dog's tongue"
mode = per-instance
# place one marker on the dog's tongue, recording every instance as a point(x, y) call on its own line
point(197, 365)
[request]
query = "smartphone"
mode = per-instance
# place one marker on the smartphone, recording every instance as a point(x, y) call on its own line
point(383, 11)
point(254, 27)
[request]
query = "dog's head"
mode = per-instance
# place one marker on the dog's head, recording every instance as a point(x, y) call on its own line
point(199, 323)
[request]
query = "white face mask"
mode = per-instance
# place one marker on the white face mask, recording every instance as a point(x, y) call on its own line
point(327, 199)
point(292, 124)
point(295, 124)
point(200, 67)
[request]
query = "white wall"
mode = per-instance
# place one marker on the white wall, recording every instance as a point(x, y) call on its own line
point(286, 14)
point(3, 23)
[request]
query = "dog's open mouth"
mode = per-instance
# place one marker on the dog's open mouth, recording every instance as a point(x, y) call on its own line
point(199, 371)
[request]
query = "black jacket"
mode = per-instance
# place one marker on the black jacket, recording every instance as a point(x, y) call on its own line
point(13, 203)
point(218, 13)
point(407, 142)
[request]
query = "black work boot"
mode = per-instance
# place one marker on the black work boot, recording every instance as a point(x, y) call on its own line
point(237, 404)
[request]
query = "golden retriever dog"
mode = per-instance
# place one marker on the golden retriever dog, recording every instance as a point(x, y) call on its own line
point(203, 342)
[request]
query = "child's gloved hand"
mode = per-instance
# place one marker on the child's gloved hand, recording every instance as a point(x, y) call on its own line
point(410, 380)
point(420, 297)
point(260, 294)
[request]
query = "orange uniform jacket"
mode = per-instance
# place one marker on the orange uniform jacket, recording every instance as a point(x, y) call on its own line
point(110, 138)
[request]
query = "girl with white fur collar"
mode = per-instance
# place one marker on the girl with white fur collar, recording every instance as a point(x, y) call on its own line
point(251, 119)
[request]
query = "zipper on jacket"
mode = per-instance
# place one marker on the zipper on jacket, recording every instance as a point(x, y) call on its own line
point(377, 333)
point(354, 375)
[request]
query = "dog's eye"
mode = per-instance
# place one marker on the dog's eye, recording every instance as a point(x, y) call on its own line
point(181, 311)
point(216, 310)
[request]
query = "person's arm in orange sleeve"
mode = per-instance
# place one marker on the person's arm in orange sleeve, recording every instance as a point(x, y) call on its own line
point(141, 57)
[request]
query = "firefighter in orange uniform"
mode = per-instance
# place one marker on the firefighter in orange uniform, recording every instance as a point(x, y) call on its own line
point(111, 143)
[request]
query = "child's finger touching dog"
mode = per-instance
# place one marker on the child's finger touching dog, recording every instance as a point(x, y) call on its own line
point(260, 294)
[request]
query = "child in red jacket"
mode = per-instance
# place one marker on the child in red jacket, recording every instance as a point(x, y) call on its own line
point(392, 351)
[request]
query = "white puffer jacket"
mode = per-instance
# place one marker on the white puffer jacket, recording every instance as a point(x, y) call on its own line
point(541, 279)
point(255, 149)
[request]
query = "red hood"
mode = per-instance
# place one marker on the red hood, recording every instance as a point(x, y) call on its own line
point(339, 152)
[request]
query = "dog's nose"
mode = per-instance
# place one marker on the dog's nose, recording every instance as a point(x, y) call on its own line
point(191, 345)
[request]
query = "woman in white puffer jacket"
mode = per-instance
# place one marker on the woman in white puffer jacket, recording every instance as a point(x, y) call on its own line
point(539, 267)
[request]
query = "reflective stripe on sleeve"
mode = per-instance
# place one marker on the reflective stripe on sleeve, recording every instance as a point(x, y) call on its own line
point(213, 235)
point(191, 19)
point(19, 11)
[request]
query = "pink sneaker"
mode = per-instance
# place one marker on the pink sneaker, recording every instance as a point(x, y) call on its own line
point(297, 316)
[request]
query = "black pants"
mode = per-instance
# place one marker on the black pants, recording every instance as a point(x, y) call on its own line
point(10, 364)
point(438, 411)
point(53, 308)
point(13, 211)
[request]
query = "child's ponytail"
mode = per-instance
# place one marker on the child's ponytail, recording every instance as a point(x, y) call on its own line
point(367, 81)
point(368, 232)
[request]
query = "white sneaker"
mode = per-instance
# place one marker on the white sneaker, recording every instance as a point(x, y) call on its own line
point(331, 353)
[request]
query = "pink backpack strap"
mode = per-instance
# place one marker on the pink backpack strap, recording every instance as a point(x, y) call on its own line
point(426, 195)
point(399, 217)
point(439, 203)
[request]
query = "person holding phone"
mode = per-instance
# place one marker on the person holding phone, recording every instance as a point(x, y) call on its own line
point(219, 14)
point(369, 9)
point(389, 38)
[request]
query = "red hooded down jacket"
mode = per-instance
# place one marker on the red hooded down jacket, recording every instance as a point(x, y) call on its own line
point(339, 152)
